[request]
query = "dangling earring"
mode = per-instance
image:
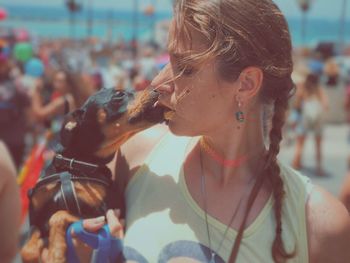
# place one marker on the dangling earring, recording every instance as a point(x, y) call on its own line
point(239, 114)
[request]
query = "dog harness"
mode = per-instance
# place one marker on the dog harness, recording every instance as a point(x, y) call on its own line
point(65, 198)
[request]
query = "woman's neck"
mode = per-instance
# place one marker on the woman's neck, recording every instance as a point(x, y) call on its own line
point(228, 159)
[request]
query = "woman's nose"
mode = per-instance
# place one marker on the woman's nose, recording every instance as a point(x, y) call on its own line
point(163, 81)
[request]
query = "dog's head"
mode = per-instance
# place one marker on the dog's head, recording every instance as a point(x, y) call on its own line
point(107, 119)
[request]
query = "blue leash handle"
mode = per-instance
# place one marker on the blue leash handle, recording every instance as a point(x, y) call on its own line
point(107, 247)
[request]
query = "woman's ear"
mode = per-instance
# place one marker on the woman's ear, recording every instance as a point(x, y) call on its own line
point(250, 82)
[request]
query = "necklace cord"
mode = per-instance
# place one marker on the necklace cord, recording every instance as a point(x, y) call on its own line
point(204, 192)
point(252, 196)
point(251, 200)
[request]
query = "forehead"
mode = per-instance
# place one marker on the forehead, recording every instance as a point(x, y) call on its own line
point(185, 40)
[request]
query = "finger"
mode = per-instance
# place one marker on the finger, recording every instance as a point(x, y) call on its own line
point(44, 255)
point(94, 224)
point(114, 224)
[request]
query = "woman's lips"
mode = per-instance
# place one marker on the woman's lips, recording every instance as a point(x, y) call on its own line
point(168, 112)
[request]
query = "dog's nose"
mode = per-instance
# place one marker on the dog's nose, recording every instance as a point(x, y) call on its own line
point(164, 89)
point(163, 83)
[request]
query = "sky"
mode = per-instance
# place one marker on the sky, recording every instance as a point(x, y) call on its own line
point(326, 9)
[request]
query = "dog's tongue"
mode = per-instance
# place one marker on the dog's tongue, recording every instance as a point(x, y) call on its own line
point(146, 108)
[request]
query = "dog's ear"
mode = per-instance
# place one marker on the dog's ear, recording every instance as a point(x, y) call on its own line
point(71, 126)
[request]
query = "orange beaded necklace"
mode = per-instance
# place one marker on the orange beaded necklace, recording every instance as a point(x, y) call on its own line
point(219, 158)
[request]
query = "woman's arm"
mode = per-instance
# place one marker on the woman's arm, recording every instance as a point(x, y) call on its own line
point(43, 112)
point(328, 228)
point(9, 207)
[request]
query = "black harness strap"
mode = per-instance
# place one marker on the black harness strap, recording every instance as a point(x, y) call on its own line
point(55, 178)
point(72, 164)
point(66, 172)
point(68, 193)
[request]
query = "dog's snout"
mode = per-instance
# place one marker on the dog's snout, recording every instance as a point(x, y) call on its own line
point(165, 89)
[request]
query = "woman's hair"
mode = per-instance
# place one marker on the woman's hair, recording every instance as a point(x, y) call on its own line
point(242, 33)
point(79, 88)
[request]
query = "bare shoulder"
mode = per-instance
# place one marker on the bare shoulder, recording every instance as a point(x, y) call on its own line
point(9, 207)
point(133, 153)
point(328, 228)
point(6, 163)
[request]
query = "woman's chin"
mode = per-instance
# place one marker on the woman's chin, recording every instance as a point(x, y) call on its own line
point(180, 130)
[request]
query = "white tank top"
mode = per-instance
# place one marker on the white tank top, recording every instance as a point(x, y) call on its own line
point(165, 224)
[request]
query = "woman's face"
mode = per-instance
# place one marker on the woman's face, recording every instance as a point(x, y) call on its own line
point(200, 101)
point(60, 82)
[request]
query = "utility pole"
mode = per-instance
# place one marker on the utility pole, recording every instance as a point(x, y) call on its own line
point(90, 19)
point(135, 27)
point(342, 26)
point(110, 20)
point(154, 20)
point(73, 7)
point(304, 6)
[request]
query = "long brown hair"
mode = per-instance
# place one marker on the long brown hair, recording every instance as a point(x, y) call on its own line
point(242, 33)
point(80, 89)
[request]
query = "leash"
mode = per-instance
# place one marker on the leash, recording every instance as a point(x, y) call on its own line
point(108, 248)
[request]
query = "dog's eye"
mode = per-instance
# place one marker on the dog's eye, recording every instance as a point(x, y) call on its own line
point(119, 95)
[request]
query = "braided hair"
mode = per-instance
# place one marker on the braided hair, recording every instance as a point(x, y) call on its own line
point(243, 33)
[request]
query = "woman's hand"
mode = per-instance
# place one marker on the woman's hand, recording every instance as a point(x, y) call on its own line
point(115, 224)
point(93, 225)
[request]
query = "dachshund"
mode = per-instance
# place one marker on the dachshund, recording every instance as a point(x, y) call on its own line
point(77, 183)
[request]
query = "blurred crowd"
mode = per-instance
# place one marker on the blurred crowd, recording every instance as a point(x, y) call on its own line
point(322, 79)
point(41, 81)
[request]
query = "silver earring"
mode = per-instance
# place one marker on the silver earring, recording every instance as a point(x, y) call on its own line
point(239, 114)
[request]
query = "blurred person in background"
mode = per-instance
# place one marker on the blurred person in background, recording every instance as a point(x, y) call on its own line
point(331, 73)
point(68, 94)
point(113, 73)
point(61, 102)
point(9, 207)
point(310, 102)
point(70, 90)
point(146, 69)
point(96, 80)
point(14, 103)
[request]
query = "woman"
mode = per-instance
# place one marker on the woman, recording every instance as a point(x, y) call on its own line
point(69, 93)
point(216, 192)
point(311, 102)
